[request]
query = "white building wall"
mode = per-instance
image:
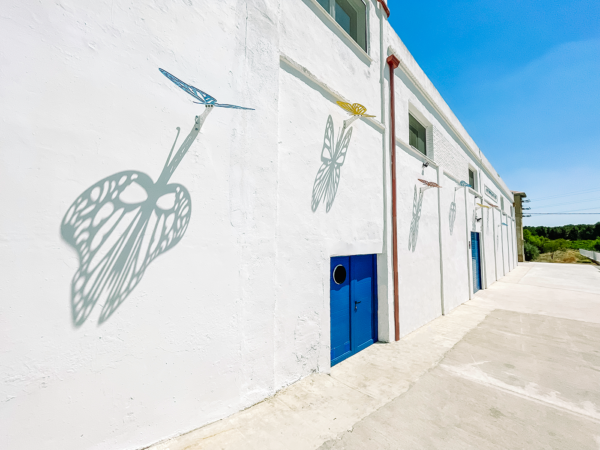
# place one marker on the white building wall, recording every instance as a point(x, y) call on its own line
point(330, 203)
point(83, 99)
point(239, 306)
point(418, 245)
point(489, 244)
point(457, 261)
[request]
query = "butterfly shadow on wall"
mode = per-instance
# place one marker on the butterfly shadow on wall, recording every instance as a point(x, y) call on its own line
point(118, 226)
point(452, 216)
point(333, 156)
point(413, 236)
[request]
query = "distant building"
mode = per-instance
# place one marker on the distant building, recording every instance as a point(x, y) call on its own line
point(150, 288)
point(518, 204)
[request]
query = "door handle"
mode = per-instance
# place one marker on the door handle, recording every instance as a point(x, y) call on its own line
point(355, 305)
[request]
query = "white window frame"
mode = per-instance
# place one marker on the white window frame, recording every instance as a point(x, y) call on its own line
point(420, 117)
point(475, 178)
point(330, 15)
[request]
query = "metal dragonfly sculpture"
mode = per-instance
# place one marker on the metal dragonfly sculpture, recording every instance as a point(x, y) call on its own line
point(463, 184)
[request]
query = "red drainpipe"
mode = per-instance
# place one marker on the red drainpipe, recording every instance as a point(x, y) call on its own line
point(393, 62)
point(385, 7)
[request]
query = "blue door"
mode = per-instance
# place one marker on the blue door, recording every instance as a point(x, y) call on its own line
point(353, 301)
point(476, 261)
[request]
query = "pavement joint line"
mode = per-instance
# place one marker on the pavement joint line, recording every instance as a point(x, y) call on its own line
point(452, 370)
point(553, 288)
point(431, 368)
point(353, 387)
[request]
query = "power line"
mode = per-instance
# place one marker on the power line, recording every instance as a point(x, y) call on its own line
point(585, 191)
point(568, 203)
point(568, 214)
point(584, 209)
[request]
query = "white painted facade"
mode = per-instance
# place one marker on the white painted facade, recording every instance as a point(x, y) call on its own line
point(236, 304)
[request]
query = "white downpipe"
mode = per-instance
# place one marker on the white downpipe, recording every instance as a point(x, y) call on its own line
point(495, 243)
point(386, 320)
point(439, 198)
point(469, 243)
point(482, 251)
point(502, 241)
point(482, 255)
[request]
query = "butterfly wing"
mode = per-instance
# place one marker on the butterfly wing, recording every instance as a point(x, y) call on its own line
point(117, 239)
point(342, 148)
point(328, 142)
point(358, 109)
point(346, 107)
point(223, 105)
point(204, 98)
point(325, 174)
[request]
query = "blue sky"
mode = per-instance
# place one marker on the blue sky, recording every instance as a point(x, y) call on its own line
point(524, 79)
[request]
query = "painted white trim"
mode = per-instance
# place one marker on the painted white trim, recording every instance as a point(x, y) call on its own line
point(452, 177)
point(414, 152)
point(475, 193)
point(312, 77)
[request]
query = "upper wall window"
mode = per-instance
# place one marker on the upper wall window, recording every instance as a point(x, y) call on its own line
point(417, 134)
point(472, 178)
point(502, 204)
point(351, 15)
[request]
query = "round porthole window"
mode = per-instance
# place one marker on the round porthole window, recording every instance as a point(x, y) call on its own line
point(339, 274)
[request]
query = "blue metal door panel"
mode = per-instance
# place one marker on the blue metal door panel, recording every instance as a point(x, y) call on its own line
point(353, 306)
point(340, 311)
point(476, 261)
point(361, 301)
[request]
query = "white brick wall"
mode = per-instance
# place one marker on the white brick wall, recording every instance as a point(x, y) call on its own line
point(429, 143)
point(448, 155)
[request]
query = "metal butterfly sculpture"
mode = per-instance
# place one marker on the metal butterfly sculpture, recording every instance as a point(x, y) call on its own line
point(356, 109)
point(428, 185)
point(203, 97)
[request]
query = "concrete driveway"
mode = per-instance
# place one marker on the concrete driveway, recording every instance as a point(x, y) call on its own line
point(517, 367)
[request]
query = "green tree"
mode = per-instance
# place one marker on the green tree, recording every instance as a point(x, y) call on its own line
point(572, 233)
point(531, 252)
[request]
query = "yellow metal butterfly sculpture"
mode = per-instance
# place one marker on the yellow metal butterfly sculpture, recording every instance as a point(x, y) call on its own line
point(356, 109)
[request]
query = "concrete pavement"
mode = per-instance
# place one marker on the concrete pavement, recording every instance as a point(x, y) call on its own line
point(516, 367)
